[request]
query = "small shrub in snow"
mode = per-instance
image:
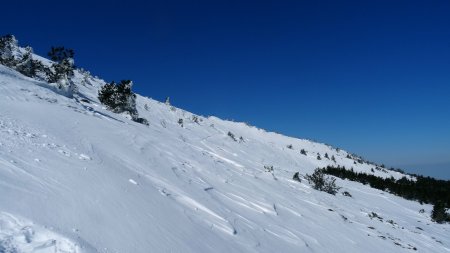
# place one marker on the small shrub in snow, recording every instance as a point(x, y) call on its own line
point(142, 121)
point(326, 156)
point(318, 157)
point(322, 183)
point(12, 57)
point(290, 146)
point(439, 213)
point(195, 119)
point(59, 54)
point(167, 102)
point(241, 139)
point(180, 122)
point(375, 215)
point(296, 177)
point(231, 135)
point(119, 98)
point(303, 152)
point(8, 46)
point(28, 66)
point(61, 70)
point(347, 194)
point(333, 158)
point(268, 168)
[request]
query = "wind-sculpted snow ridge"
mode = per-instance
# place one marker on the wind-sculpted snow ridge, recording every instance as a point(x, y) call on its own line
point(95, 181)
point(18, 235)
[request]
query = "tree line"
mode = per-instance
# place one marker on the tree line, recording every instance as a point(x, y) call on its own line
point(420, 188)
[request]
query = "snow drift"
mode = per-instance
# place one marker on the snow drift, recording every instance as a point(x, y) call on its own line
point(75, 177)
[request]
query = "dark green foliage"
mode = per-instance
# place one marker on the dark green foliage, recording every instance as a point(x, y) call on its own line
point(27, 65)
point(333, 158)
point(11, 56)
point(142, 121)
point(63, 67)
point(231, 135)
point(296, 177)
point(423, 189)
point(303, 152)
point(7, 45)
point(318, 157)
point(347, 194)
point(195, 119)
point(439, 213)
point(322, 183)
point(326, 156)
point(119, 97)
point(61, 70)
point(59, 54)
point(268, 168)
point(107, 95)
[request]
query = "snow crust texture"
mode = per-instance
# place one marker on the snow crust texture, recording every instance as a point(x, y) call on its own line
point(75, 177)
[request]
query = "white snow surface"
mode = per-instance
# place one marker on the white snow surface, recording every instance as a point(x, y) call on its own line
point(75, 177)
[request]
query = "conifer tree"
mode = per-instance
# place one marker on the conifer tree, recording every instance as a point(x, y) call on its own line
point(62, 69)
point(439, 213)
point(8, 45)
point(119, 97)
point(28, 66)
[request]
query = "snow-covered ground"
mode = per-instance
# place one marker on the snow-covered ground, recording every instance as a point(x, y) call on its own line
point(75, 177)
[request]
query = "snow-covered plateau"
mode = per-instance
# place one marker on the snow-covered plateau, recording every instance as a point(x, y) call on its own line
point(75, 177)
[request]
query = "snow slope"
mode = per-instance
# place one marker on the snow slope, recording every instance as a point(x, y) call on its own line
point(75, 177)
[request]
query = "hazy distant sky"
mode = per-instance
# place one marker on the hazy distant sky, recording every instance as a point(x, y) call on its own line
point(372, 77)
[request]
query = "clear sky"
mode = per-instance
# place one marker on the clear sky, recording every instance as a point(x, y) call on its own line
point(372, 77)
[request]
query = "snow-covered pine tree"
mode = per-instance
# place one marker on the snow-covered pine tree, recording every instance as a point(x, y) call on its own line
point(8, 45)
point(119, 98)
point(28, 66)
point(125, 98)
point(62, 70)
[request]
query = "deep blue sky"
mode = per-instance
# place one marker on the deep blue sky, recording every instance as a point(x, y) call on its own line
point(372, 77)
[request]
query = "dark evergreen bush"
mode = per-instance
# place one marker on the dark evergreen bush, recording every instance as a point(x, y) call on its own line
point(59, 54)
point(231, 135)
point(322, 183)
point(439, 213)
point(119, 98)
point(296, 177)
point(8, 44)
point(142, 121)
